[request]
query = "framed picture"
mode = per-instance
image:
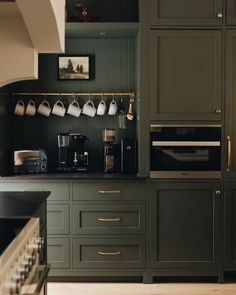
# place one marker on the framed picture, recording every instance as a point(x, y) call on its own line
point(74, 67)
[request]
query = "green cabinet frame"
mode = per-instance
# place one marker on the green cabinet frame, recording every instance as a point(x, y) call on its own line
point(231, 12)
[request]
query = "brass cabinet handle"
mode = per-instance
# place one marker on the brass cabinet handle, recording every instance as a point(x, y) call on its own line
point(109, 253)
point(229, 150)
point(217, 193)
point(109, 219)
point(219, 15)
point(109, 191)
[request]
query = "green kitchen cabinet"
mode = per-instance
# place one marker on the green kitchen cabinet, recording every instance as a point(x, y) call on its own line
point(108, 218)
point(185, 226)
point(231, 12)
point(186, 12)
point(230, 227)
point(111, 252)
point(185, 75)
point(230, 107)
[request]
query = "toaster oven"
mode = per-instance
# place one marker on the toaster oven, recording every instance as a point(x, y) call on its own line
point(30, 161)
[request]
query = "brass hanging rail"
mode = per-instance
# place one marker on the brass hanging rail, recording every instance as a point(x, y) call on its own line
point(130, 94)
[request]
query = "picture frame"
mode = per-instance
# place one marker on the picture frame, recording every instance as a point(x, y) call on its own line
point(74, 67)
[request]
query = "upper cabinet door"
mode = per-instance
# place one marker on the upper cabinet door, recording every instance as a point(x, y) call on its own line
point(185, 75)
point(230, 106)
point(186, 12)
point(231, 12)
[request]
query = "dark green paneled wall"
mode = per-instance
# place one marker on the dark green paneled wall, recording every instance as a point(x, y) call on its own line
point(115, 68)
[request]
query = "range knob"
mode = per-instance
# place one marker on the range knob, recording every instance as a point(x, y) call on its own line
point(12, 286)
point(37, 244)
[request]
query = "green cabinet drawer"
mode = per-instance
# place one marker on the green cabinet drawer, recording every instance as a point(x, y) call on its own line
point(109, 253)
point(109, 191)
point(58, 219)
point(58, 252)
point(59, 191)
point(108, 219)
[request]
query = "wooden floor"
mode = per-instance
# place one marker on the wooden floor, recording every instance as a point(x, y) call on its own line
point(141, 289)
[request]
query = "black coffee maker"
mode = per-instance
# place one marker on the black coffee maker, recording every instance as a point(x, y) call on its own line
point(73, 155)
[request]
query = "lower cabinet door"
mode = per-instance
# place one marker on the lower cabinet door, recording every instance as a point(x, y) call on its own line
point(185, 225)
point(58, 252)
point(109, 253)
point(230, 227)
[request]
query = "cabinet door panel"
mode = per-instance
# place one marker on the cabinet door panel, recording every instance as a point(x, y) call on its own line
point(230, 227)
point(186, 12)
point(231, 12)
point(58, 219)
point(185, 80)
point(58, 252)
point(230, 106)
point(185, 225)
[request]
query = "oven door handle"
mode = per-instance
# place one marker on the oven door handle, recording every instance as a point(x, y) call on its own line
point(186, 143)
point(40, 281)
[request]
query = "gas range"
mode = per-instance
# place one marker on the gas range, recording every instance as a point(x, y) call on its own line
point(21, 271)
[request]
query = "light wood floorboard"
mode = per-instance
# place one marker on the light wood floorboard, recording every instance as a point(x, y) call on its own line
point(141, 289)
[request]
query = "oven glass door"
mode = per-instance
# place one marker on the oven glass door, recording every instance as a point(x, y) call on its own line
point(185, 156)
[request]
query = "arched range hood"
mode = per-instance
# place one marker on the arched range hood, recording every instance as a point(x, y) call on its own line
point(27, 28)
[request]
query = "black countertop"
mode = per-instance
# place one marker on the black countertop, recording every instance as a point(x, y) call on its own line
point(74, 176)
point(21, 203)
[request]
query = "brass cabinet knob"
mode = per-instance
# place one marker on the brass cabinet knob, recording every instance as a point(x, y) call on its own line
point(218, 111)
point(219, 15)
point(217, 193)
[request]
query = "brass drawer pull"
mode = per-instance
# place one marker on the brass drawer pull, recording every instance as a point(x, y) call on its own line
point(109, 191)
point(229, 148)
point(109, 219)
point(109, 253)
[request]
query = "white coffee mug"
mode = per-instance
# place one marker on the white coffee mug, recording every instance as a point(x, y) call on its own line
point(74, 109)
point(89, 109)
point(101, 110)
point(19, 108)
point(31, 108)
point(59, 109)
point(112, 108)
point(44, 108)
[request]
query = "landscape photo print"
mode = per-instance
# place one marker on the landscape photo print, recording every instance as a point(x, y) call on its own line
point(74, 67)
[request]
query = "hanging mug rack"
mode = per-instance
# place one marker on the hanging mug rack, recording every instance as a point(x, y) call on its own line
point(88, 108)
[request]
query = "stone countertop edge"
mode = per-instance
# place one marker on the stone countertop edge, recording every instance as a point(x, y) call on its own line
point(73, 176)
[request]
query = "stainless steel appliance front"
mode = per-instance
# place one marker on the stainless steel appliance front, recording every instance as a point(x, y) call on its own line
point(185, 151)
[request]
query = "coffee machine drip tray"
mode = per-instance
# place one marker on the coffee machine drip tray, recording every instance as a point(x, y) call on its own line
point(72, 169)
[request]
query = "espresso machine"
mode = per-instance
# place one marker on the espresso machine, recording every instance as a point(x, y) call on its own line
point(109, 150)
point(73, 155)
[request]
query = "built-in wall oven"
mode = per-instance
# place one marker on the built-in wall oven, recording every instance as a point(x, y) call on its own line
point(179, 151)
